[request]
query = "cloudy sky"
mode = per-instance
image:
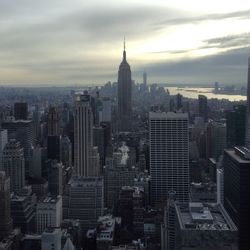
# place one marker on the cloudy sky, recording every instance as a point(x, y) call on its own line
point(80, 42)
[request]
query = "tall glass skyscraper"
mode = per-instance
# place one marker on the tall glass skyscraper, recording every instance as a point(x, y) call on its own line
point(169, 155)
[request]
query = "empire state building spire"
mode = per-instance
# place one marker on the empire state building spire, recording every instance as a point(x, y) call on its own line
point(124, 94)
point(124, 49)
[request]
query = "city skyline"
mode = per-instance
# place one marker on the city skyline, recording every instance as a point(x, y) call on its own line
point(79, 43)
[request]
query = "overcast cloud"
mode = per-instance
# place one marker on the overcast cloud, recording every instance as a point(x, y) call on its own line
point(72, 41)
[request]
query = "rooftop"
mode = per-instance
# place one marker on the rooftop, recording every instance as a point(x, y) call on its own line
point(168, 115)
point(105, 231)
point(201, 216)
point(85, 181)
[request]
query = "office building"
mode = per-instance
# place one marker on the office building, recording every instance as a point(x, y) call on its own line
point(3, 142)
point(114, 178)
point(83, 200)
point(49, 213)
point(53, 122)
point(55, 178)
point(39, 155)
point(179, 103)
point(66, 151)
point(23, 212)
point(105, 237)
point(21, 111)
point(13, 165)
point(22, 131)
point(51, 239)
point(236, 197)
point(5, 216)
point(203, 108)
point(220, 185)
point(54, 147)
point(106, 110)
point(169, 155)
point(236, 126)
point(203, 226)
point(124, 95)
point(83, 135)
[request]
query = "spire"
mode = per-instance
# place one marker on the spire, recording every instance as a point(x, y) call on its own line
point(124, 49)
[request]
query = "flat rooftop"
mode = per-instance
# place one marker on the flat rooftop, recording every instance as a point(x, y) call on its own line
point(203, 216)
point(168, 115)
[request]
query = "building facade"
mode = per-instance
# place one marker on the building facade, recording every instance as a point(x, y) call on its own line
point(169, 155)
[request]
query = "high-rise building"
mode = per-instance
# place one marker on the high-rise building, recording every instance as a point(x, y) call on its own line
point(13, 165)
point(21, 111)
point(49, 213)
point(83, 200)
point(23, 212)
point(54, 147)
point(3, 142)
point(5, 218)
point(124, 95)
point(247, 138)
point(203, 109)
point(53, 122)
point(236, 197)
point(216, 138)
point(203, 226)
point(236, 126)
point(179, 101)
point(169, 155)
point(55, 178)
point(51, 239)
point(220, 185)
point(66, 151)
point(22, 131)
point(83, 135)
point(106, 110)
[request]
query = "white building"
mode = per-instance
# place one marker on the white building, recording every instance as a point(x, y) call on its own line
point(169, 155)
point(51, 239)
point(220, 185)
point(49, 213)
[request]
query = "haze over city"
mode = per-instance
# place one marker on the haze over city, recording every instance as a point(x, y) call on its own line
point(77, 42)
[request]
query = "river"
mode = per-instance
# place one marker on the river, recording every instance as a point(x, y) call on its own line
point(193, 93)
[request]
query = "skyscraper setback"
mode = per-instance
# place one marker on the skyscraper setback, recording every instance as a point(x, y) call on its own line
point(124, 94)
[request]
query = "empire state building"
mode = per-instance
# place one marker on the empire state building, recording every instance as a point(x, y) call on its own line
point(124, 95)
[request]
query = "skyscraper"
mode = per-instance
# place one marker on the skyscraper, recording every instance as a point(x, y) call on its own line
point(203, 109)
point(83, 135)
point(53, 122)
point(247, 138)
point(124, 94)
point(13, 164)
point(169, 155)
point(236, 186)
point(5, 219)
point(22, 131)
point(21, 110)
point(236, 126)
